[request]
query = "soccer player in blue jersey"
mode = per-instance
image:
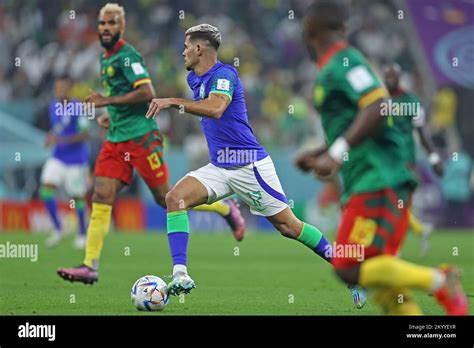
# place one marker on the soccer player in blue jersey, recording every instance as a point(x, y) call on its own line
point(68, 165)
point(239, 164)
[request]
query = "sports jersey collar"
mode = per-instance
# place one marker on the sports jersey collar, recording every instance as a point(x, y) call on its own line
point(331, 52)
point(115, 49)
point(397, 92)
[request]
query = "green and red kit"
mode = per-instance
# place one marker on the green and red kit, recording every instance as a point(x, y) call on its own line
point(375, 177)
point(133, 141)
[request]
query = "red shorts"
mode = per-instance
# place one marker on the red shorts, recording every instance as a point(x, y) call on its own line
point(145, 154)
point(372, 224)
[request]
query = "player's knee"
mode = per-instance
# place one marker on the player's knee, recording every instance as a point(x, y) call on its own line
point(103, 195)
point(174, 201)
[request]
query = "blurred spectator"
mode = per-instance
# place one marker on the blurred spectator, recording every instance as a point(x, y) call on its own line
point(456, 188)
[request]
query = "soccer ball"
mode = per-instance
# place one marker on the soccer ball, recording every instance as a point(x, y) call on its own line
point(149, 293)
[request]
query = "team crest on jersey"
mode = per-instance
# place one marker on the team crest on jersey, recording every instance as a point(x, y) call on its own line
point(110, 71)
point(202, 91)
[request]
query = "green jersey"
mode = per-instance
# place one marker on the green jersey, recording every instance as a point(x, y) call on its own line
point(406, 114)
point(345, 84)
point(121, 71)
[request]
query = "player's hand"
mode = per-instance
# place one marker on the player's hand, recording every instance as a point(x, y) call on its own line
point(306, 160)
point(325, 166)
point(50, 140)
point(438, 169)
point(104, 121)
point(97, 99)
point(156, 105)
point(324, 178)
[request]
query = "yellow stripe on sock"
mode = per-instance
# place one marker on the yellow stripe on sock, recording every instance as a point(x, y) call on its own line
point(98, 227)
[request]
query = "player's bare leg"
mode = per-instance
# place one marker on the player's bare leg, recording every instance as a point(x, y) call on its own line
point(187, 193)
point(105, 191)
point(291, 227)
point(228, 209)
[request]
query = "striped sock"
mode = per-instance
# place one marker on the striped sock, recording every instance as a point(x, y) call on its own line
point(315, 240)
point(178, 236)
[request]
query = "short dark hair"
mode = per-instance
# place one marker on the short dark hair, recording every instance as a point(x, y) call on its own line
point(205, 36)
point(328, 15)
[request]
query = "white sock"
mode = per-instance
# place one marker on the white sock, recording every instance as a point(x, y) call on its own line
point(180, 268)
point(438, 280)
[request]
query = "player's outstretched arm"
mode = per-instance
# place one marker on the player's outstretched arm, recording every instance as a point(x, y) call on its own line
point(212, 107)
point(143, 93)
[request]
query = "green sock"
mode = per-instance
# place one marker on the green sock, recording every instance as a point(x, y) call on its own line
point(315, 240)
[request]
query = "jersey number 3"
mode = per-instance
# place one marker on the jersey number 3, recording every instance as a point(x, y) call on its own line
point(154, 161)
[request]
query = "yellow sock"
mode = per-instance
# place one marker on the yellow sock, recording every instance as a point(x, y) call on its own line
point(391, 272)
point(217, 207)
point(397, 301)
point(415, 224)
point(98, 228)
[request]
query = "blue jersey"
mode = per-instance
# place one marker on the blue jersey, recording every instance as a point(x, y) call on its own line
point(230, 138)
point(66, 121)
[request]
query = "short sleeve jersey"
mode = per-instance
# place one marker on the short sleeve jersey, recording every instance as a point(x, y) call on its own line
point(230, 138)
point(67, 119)
point(345, 84)
point(121, 71)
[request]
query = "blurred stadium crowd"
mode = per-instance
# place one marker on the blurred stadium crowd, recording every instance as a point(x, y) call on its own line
point(261, 37)
point(258, 36)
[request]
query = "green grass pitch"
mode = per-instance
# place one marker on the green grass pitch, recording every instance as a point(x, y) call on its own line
point(266, 275)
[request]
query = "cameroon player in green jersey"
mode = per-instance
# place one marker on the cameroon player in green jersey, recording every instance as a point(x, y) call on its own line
point(408, 115)
point(133, 142)
point(367, 151)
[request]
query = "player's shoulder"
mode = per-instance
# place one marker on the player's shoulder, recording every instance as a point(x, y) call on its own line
point(130, 50)
point(225, 71)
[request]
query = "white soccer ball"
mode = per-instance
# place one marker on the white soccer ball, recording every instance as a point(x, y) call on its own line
point(149, 293)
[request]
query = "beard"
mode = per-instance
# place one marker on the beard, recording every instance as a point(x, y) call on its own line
point(109, 45)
